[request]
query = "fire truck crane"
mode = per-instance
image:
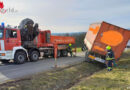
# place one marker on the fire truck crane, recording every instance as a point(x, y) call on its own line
point(27, 42)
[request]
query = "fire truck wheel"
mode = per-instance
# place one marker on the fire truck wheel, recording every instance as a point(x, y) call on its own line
point(20, 57)
point(34, 56)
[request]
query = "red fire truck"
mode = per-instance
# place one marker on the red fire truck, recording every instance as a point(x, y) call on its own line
point(12, 47)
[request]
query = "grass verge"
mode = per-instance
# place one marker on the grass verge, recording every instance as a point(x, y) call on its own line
point(78, 49)
point(118, 79)
point(57, 79)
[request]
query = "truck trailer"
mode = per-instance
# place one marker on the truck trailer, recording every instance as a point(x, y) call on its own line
point(101, 35)
point(21, 45)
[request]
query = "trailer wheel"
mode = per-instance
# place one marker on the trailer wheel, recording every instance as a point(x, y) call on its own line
point(86, 57)
point(64, 53)
point(34, 56)
point(20, 57)
point(46, 56)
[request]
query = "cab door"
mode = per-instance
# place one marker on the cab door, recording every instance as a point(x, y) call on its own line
point(11, 39)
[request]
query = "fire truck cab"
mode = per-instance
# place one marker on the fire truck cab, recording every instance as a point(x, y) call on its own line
point(10, 46)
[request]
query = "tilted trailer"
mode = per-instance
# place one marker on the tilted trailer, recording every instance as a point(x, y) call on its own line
point(101, 35)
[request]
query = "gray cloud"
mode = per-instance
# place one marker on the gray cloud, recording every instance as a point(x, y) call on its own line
point(68, 15)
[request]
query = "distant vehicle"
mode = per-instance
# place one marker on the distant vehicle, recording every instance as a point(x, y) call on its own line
point(28, 41)
point(102, 34)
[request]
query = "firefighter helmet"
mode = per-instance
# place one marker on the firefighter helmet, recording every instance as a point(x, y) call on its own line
point(70, 44)
point(108, 47)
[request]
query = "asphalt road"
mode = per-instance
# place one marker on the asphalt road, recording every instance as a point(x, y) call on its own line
point(11, 71)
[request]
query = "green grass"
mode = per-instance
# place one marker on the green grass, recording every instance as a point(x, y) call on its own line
point(78, 49)
point(118, 79)
point(82, 76)
point(52, 80)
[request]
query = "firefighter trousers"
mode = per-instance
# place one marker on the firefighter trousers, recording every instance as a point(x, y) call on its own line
point(109, 65)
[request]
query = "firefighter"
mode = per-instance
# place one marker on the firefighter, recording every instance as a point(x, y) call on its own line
point(70, 49)
point(109, 58)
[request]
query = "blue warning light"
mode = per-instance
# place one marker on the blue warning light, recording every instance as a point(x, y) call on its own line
point(2, 24)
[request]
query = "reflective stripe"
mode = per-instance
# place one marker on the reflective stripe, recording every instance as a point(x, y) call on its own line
point(109, 68)
point(2, 45)
point(109, 58)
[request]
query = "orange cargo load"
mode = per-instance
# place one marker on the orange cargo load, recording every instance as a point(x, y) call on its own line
point(62, 40)
point(102, 34)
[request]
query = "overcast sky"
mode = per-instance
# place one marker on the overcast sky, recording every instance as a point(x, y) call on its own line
point(68, 15)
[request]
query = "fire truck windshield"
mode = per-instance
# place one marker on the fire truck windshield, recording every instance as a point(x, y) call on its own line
point(1, 33)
